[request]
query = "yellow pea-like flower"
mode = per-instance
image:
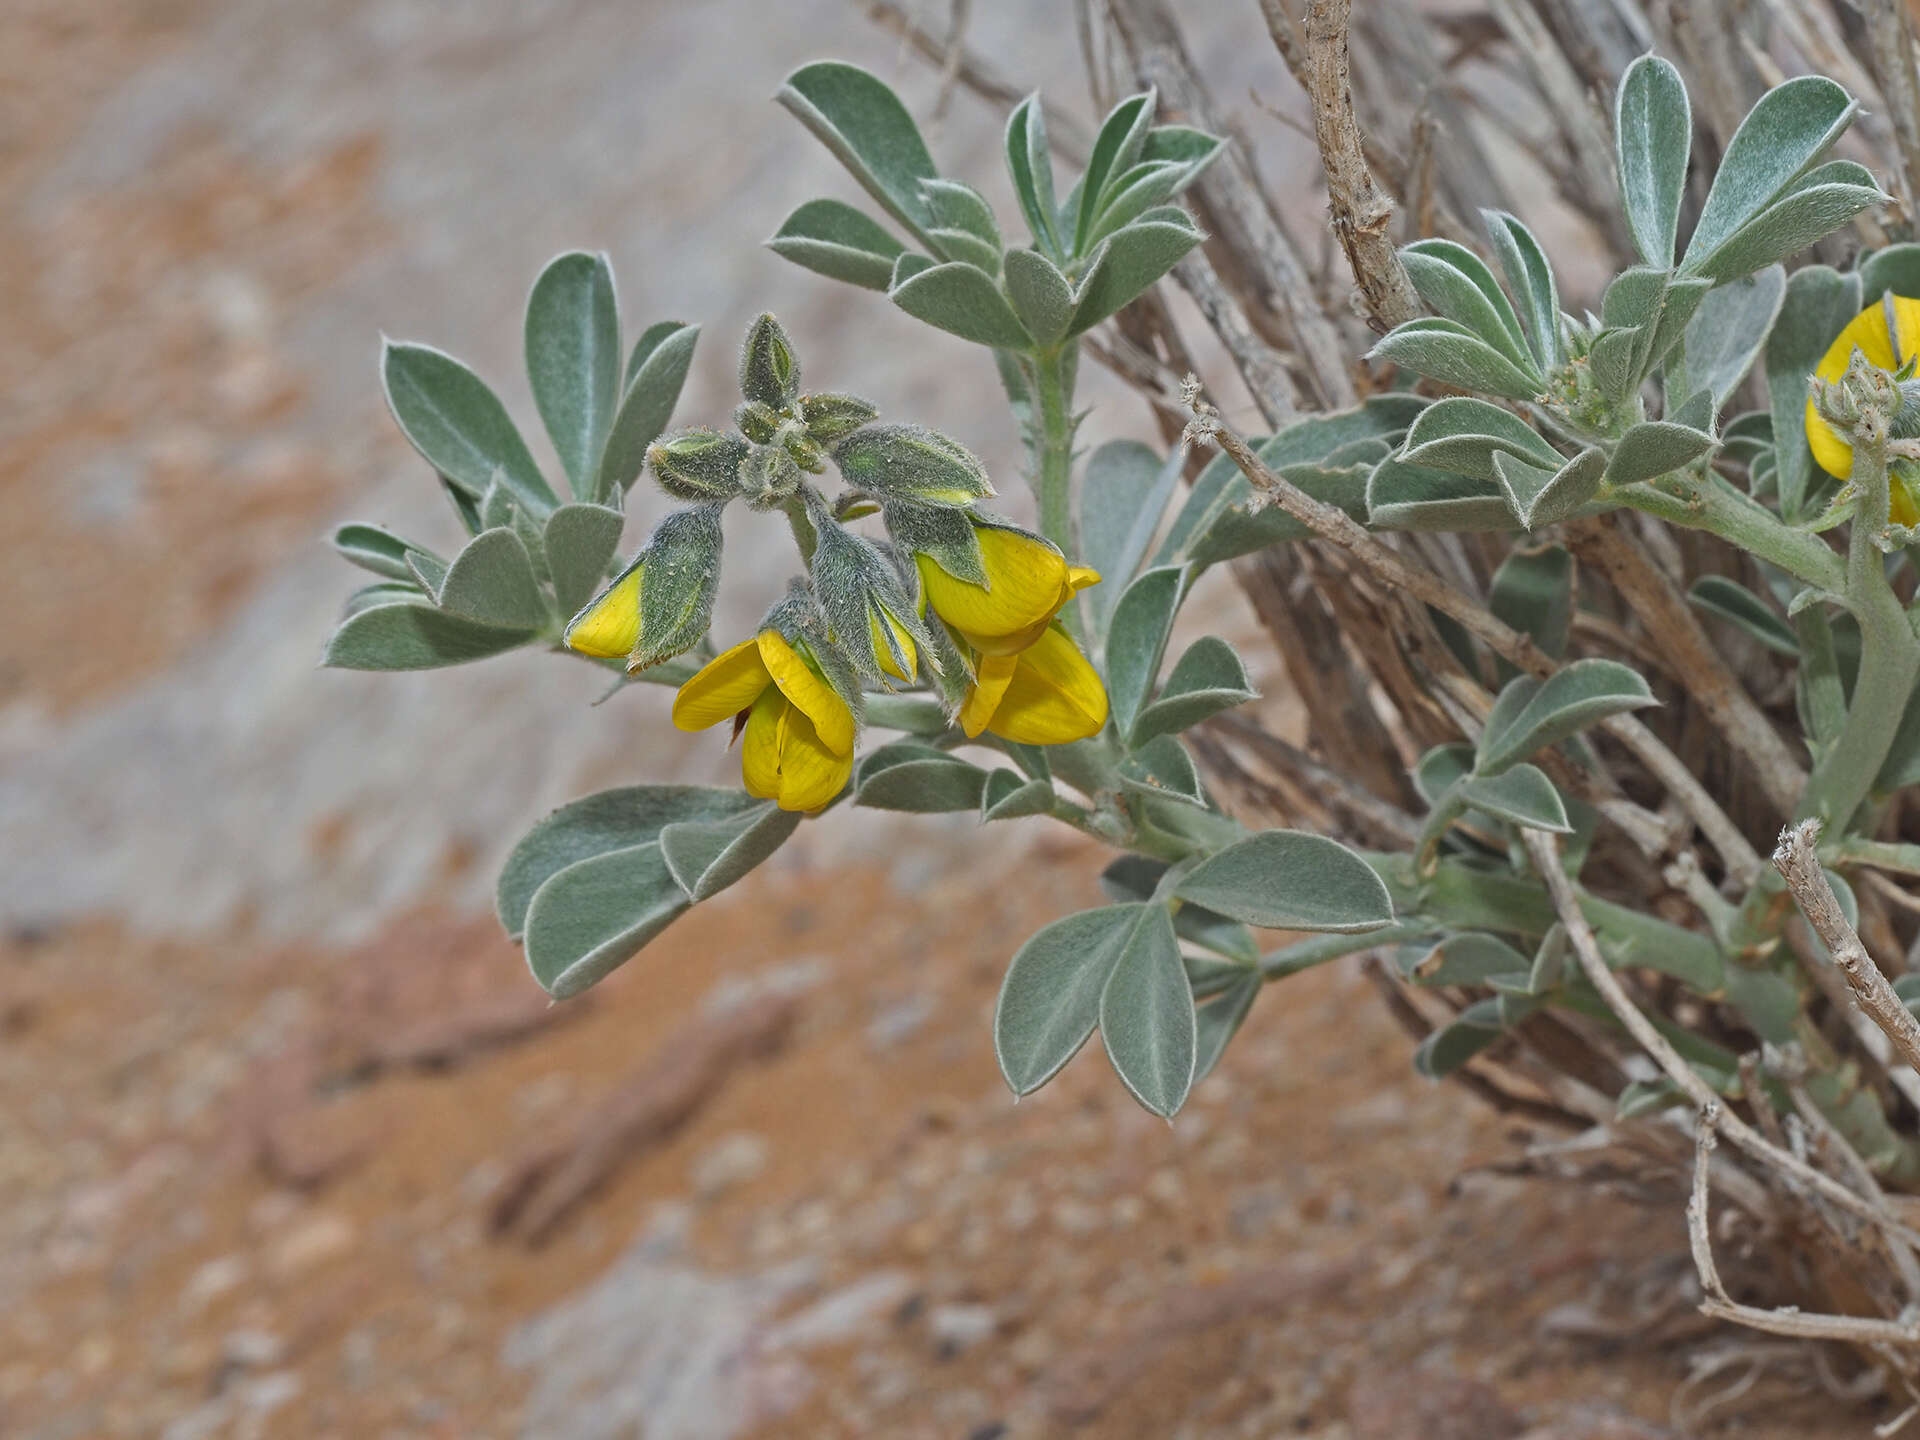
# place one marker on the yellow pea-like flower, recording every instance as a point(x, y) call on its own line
point(797, 748)
point(1047, 694)
point(1028, 581)
point(1887, 334)
point(608, 626)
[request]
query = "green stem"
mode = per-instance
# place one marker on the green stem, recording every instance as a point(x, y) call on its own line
point(804, 535)
point(1712, 505)
point(1889, 653)
point(1050, 442)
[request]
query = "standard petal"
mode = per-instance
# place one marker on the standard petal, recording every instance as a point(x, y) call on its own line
point(1027, 579)
point(989, 686)
point(608, 626)
point(810, 773)
point(723, 687)
point(801, 684)
point(1079, 577)
point(760, 745)
point(1055, 695)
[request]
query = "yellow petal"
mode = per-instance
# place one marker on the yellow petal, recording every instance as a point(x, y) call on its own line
point(608, 626)
point(810, 773)
point(1900, 507)
point(1055, 695)
point(803, 686)
point(1026, 583)
point(760, 745)
point(1880, 345)
point(723, 687)
point(883, 653)
point(989, 685)
point(1079, 577)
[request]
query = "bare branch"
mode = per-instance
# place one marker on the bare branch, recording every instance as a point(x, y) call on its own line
point(1890, 46)
point(1795, 860)
point(1361, 211)
point(1259, 363)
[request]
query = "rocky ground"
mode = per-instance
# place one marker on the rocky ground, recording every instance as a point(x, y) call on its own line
point(289, 1143)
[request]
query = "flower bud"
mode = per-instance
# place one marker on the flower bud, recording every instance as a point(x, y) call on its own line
point(682, 577)
point(698, 465)
point(768, 476)
point(910, 462)
point(757, 422)
point(869, 615)
point(769, 370)
point(831, 418)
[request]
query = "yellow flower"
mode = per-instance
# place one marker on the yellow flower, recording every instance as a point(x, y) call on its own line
point(797, 748)
point(1027, 583)
point(1046, 694)
point(608, 626)
point(1886, 333)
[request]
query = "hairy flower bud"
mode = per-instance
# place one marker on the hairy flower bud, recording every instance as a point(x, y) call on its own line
point(698, 465)
point(769, 370)
point(768, 476)
point(682, 577)
point(869, 615)
point(910, 462)
point(831, 418)
point(758, 422)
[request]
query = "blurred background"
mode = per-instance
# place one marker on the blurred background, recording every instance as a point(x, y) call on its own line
point(290, 1144)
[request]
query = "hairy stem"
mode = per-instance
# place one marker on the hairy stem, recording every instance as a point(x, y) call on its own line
point(1050, 442)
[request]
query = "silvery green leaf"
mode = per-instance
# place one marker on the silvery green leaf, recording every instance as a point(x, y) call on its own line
point(1469, 957)
point(1656, 447)
point(1290, 880)
point(1729, 329)
point(1632, 297)
point(375, 548)
point(1182, 144)
point(1454, 1044)
point(492, 581)
point(970, 249)
point(597, 824)
point(428, 569)
point(415, 636)
point(1122, 136)
point(856, 116)
point(1040, 294)
point(1680, 300)
point(458, 424)
point(1123, 494)
point(1819, 302)
point(1130, 259)
point(706, 856)
point(913, 463)
point(955, 205)
point(1146, 1016)
point(769, 370)
point(682, 577)
point(1206, 680)
point(573, 360)
point(1412, 497)
point(832, 238)
point(1738, 606)
point(1162, 767)
point(592, 917)
point(1826, 200)
point(1574, 697)
point(698, 464)
point(1050, 999)
point(830, 418)
point(1540, 497)
point(1653, 133)
point(938, 783)
point(1614, 362)
point(1248, 521)
point(1030, 165)
point(1198, 925)
point(1696, 412)
point(1132, 194)
point(1523, 795)
point(1893, 269)
point(942, 533)
point(496, 505)
point(1457, 284)
point(1008, 795)
point(962, 300)
point(1132, 877)
point(653, 389)
point(1440, 767)
point(1137, 638)
point(1549, 960)
point(650, 340)
point(911, 714)
point(1783, 135)
point(1530, 277)
point(1449, 352)
point(381, 592)
point(1533, 592)
point(1217, 1021)
point(1747, 436)
point(1461, 434)
point(909, 264)
point(581, 540)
